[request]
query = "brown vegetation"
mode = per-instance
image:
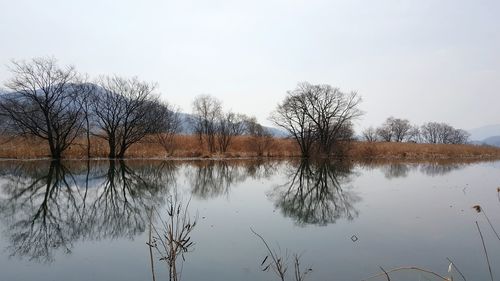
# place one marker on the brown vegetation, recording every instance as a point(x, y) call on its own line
point(188, 146)
point(184, 146)
point(391, 150)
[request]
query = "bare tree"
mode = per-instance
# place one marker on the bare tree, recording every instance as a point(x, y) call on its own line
point(384, 133)
point(170, 124)
point(460, 136)
point(290, 116)
point(316, 114)
point(84, 99)
point(413, 134)
point(206, 112)
point(400, 128)
point(370, 134)
point(123, 109)
point(260, 138)
point(433, 132)
point(395, 129)
point(229, 125)
point(430, 132)
point(43, 103)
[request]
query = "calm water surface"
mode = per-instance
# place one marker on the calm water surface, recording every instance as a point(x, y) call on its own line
point(90, 220)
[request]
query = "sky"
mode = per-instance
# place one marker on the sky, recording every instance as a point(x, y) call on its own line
point(426, 60)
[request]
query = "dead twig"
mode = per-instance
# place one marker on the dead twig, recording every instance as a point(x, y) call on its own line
point(151, 245)
point(485, 251)
point(407, 268)
point(456, 267)
point(279, 264)
point(479, 209)
point(386, 274)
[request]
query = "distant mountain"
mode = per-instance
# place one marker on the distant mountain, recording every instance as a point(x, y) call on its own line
point(494, 141)
point(482, 133)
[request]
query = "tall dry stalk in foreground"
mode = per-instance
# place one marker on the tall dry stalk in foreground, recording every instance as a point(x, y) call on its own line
point(485, 251)
point(171, 239)
point(279, 264)
point(479, 209)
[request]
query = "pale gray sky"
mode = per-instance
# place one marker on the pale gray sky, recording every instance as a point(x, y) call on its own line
point(421, 60)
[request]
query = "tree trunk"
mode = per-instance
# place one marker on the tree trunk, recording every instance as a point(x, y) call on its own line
point(112, 148)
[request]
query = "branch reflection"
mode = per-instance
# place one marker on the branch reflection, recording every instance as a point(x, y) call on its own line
point(317, 193)
point(213, 178)
point(48, 206)
point(401, 169)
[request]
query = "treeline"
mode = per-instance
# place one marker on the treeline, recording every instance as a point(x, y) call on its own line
point(58, 105)
point(401, 130)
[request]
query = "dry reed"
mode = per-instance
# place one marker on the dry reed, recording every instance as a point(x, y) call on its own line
point(279, 264)
point(188, 146)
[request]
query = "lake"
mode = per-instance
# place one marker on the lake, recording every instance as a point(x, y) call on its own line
point(90, 220)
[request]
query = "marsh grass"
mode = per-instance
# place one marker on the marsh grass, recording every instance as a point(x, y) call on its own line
point(171, 238)
point(479, 210)
point(279, 264)
point(188, 146)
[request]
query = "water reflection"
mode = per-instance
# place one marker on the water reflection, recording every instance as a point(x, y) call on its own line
point(48, 207)
point(393, 170)
point(317, 193)
point(213, 178)
point(440, 169)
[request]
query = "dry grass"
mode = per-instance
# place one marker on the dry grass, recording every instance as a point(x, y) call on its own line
point(384, 150)
point(187, 146)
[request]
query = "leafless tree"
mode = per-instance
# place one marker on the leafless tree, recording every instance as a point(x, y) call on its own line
point(290, 116)
point(123, 110)
point(229, 125)
point(42, 103)
point(170, 125)
point(84, 99)
point(413, 135)
point(316, 114)
point(395, 129)
point(430, 132)
point(370, 134)
point(206, 111)
point(460, 136)
point(401, 128)
point(260, 139)
point(433, 132)
point(384, 133)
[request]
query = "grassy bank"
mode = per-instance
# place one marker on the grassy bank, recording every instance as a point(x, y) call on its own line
point(386, 150)
point(186, 146)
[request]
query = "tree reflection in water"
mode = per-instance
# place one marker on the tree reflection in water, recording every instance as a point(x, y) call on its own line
point(50, 206)
point(317, 193)
point(401, 169)
point(212, 178)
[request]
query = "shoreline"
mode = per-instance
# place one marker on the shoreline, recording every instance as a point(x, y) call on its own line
point(266, 158)
point(187, 147)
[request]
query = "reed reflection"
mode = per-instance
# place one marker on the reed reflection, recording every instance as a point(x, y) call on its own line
point(395, 169)
point(317, 193)
point(48, 206)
